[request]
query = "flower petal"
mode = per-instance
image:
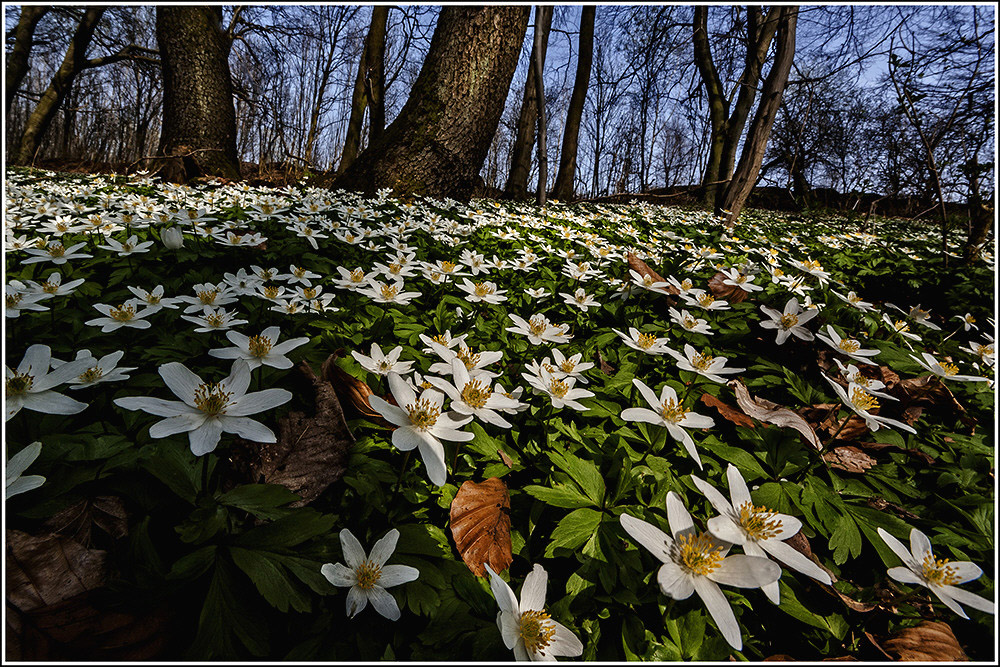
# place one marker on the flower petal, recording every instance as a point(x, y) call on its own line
point(394, 575)
point(205, 438)
point(180, 380)
point(795, 559)
point(258, 401)
point(383, 548)
point(720, 611)
point(533, 590)
point(339, 574)
point(384, 603)
point(677, 515)
point(503, 593)
point(674, 581)
point(648, 535)
point(744, 571)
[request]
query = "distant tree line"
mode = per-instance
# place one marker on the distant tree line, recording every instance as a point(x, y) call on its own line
point(896, 101)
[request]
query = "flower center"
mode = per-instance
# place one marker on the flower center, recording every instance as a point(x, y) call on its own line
point(812, 265)
point(686, 284)
point(970, 319)
point(689, 323)
point(91, 374)
point(57, 250)
point(259, 346)
point(567, 366)
point(423, 414)
point(448, 267)
point(475, 394)
point(537, 325)
point(788, 321)
point(861, 380)
point(937, 571)
point(702, 361)
point(12, 300)
point(357, 275)
point(758, 522)
point(271, 292)
point(536, 630)
point(949, 369)
point(647, 281)
point(309, 293)
point(208, 296)
point(706, 299)
point(558, 388)
point(215, 320)
point(646, 341)
point(581, 297)
point(299, 273)
point(389, 292)
point(50, 287)
point(211, 398)
point(19, 384)
point(368, 574)
point(698, 553)
point(853, 298)
point(467, 357)
point(849, 346)
point(900, 326)
point(484, 289)
point(672, 411)
point(863, 401)
point(123, 313)
point(395, 267)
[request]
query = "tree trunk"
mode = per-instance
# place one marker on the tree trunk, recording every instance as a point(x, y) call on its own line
point(520, 159)
point(17, 59)
point(199, 121)
point(372, 62)
point(718, 107)
point(538, 63)
point(62, 81)
point(439, 141)
point(571, 136)
point(745, 176)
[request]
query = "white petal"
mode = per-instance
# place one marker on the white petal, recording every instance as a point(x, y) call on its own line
point(239, 379)
point(432, 454)
point(746, 571)
point(339, 574)
point(400, 390)
point(180, 380)
point(155, 406)
point(642, 415)
point(795, 559)
point(724, 528)
point(384, 547)
point(248, 429)
point(677, 515)
point(674, 581)
point(384, 603)
point(564, 642)
point(394, 575)
point(898, 548)
point(533, 590)
point(178, 424)
point(356, 601)
point(970, 599)
point(354, 553)
point(503, 593)
point(258, 401)
point(738, 491)
point(920, 545)
point(205, 438)
point(720, 611)
point(906, 576)
point(648, 535)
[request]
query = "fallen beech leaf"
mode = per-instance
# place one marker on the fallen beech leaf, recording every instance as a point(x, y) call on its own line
point(881, 504)
point(311, 452)
point(927, 458)
point(729, 293)
point(643, 270)
point(352, 393)
point(929, 391)
point(77, 520)
point(849, 458)
point(854, 429)
point(480, 525)
point(44, 570)
point(772, 413)
point(506, 459)
point(727, 411)
point(925, 642)
point(605, 367)
point(849, 602)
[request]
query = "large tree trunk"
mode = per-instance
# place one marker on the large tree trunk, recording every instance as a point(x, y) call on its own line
point(62, 81)
point(370, 68)
point(439, 141)
point(520, 159)
point(199, 121)
point(727, 119)
point(17, 59)
point(566, 176)
point(539, 65)
point(752, 156)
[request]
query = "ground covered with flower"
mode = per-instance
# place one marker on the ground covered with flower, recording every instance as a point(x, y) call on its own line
point(247, 422)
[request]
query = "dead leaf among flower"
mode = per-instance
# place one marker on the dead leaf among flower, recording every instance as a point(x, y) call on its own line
point(643, 270)
point(605, 367)
point(480, 525)
point(881, 504)
point(311, 452)
point(849, 458)
point(849, 602)
point(929, 391)
point(79, 519)
point(855, 427)
point(927, 641)
point(800, 543)
point(763, 410)
point(727, 411)
point(506, 459)
point(351, 392)
point(721, 290)
point(44, 570)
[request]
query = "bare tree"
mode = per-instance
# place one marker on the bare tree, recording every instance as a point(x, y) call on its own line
point(368, 88)
point(566, 176)
point(17, 59)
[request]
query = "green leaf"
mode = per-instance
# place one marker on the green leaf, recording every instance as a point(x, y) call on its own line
point(845, 540)
point(559, 495)
point(574, 530)
point(261, 500)
point(306, 523)
point(271, 580)
point(193, 565)
point(584, 473)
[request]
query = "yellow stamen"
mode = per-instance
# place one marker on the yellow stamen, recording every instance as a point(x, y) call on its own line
point(423, 414)
point(788, 321)
point(476, 394)
point(357, 276)
point(537, 325)
point(672, 411)
point(702, 361)
point(259, 346)
point(937, 571)
point(759, 522)
point(448, 267)
point(20, 383)
point(389, 292)
point(368, 574)
point(211, 398)
point(646, 341)
point(12, 300)
point(949, 369)
point(272, 291)
point(849, 346)
point(536, 630)
point(483, 289)
point(467, 357)
point(123, 313)
point(567, 366)
point(208, 296)
point(698, 553)
point(57, 250)
point(863, 401)
point(558, 388)
point(91, 374)
point(706, 300)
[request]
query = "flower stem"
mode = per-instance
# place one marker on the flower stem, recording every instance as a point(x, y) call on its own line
point(399, 480)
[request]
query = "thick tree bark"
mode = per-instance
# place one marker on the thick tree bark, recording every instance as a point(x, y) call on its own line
point(566, 176)
point(368, 84)
point(439, 141)
point(752, 156)
point(17, 59)
point(539, 65)
point(73, 62)
point(520, 158)
point(199, 121)
point(727, 119)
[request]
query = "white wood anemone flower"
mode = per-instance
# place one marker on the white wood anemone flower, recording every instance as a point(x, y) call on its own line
point(939, 575)
point(945, 370)
point(643, 342)
point(473, 395)
point(260, 350)
point(560, 391)
point(848, 346)
point(382, 363)
point(696, 562)
point(31, 385)
point(862, 402)
point(539, 329)
point(421, 424)
point(703, 364)
point(790, 322)
point(15, 480)
point(208, 409)
point(759, 530)
point(525, 626)
point(669, 413)
point(368, 576)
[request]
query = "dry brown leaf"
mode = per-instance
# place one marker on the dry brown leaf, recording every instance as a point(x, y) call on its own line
point(854, 429)
point(929, 391)
point(506, 459)
point(480, 525)
point(48, 569)
point(605, 367)
point(643, 270)
point(77, 520)
point(772, 413)
point(729, 293)
point(351, 392)
point(727, 411)
point(311, 452)
point(849, 458)
point(926, 642)
point(881, 504)
point(927, 458)
point(849, 602)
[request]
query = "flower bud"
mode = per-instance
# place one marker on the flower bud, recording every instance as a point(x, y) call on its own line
point(172, 238)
